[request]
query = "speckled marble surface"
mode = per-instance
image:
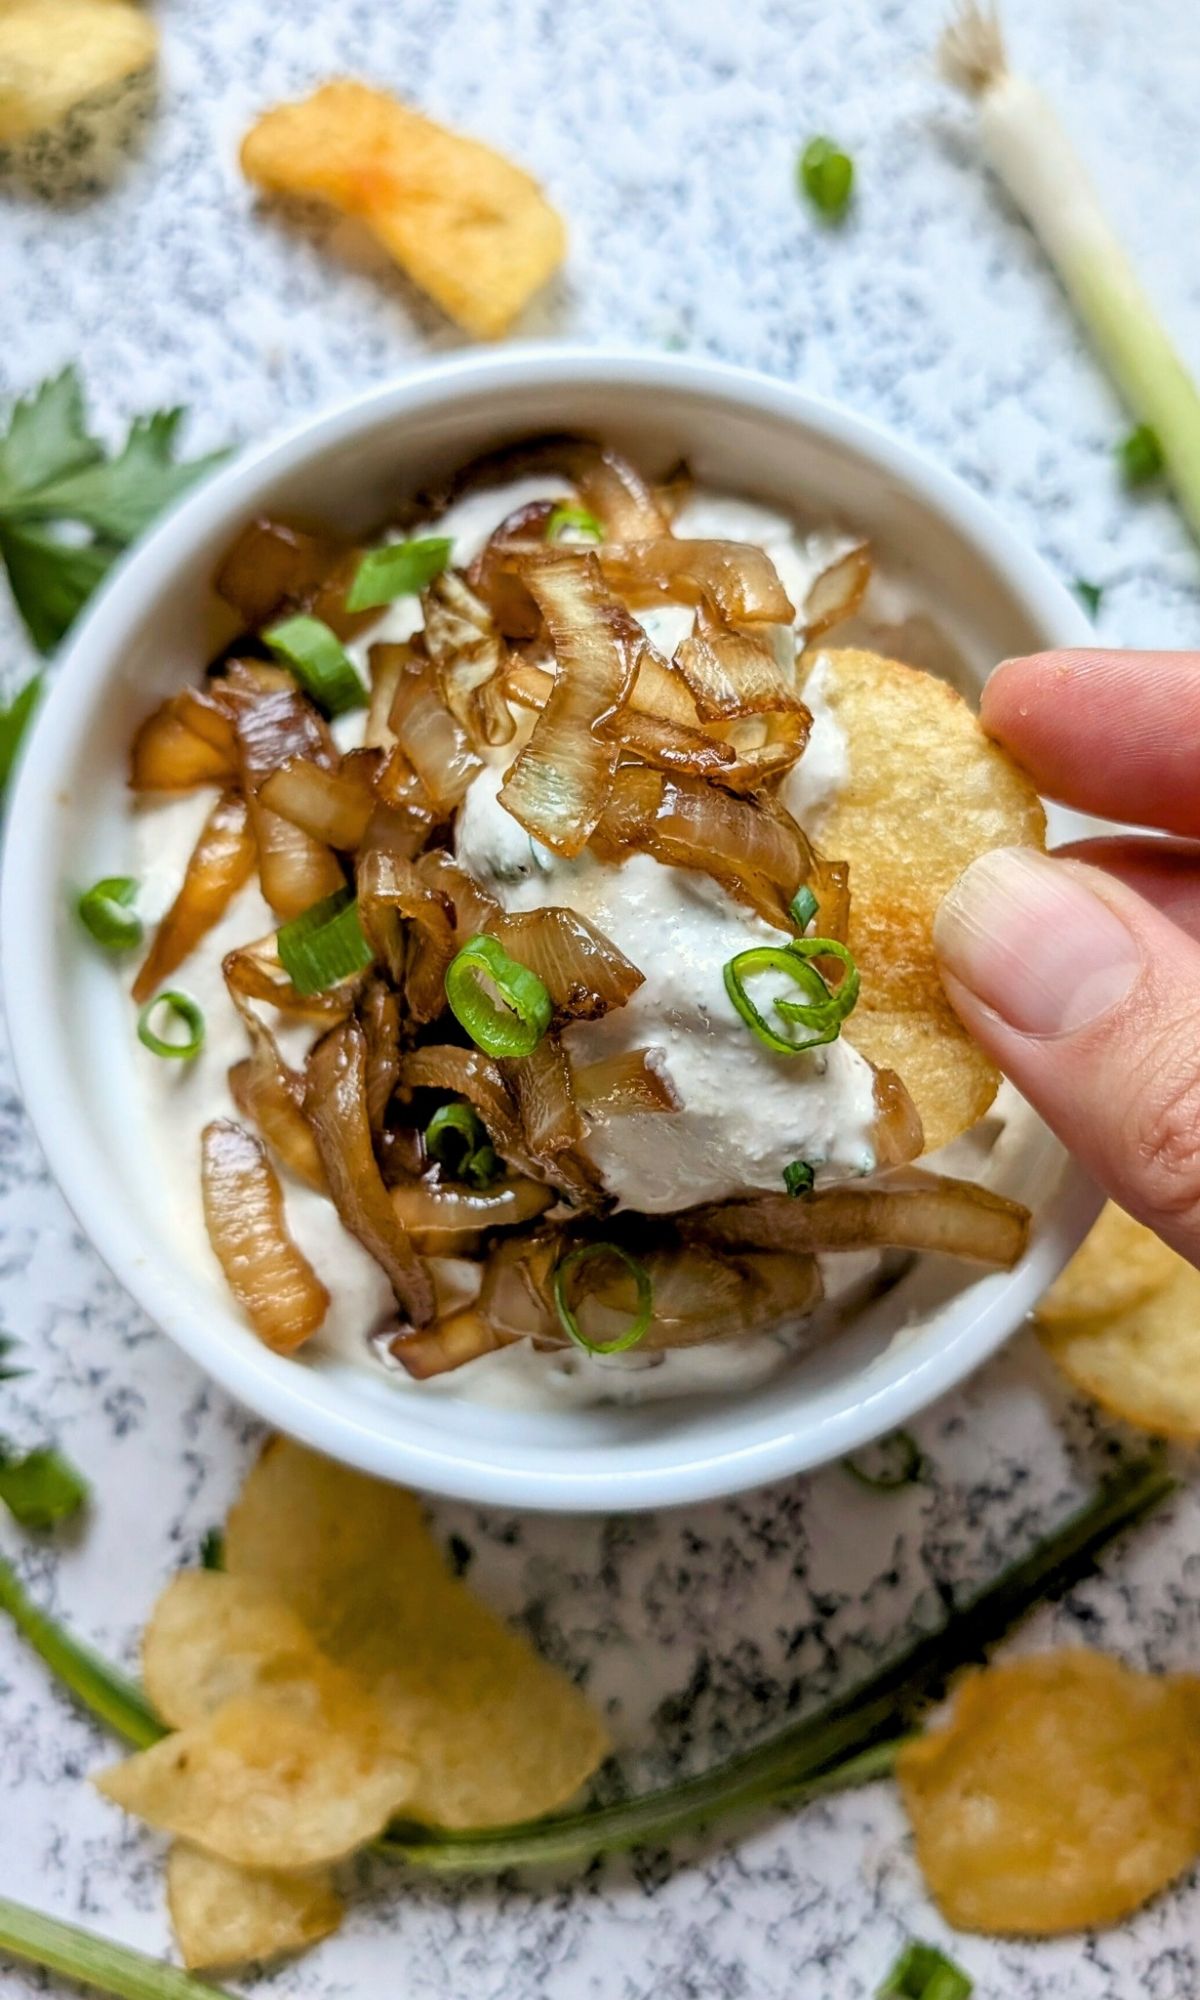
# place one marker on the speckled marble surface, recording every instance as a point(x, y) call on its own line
point(667, 132)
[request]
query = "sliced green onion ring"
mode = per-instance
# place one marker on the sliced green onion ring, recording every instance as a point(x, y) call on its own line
point(574, 520)
point(803, 908)
point(106, 911)
point(324, 944)
point(798, 1177)
point(1140, 456)
point(317, 658)
point(398, 569)
point(511, 1027)
point(637, 1327)
point(922, 1972)
point(181, 1007)
point(820, 1013)
point(896, 1461)
point(457, 1139)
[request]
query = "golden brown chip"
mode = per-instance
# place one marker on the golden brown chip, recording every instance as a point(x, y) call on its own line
point(469, 227)
point(1064, 1791)
point(211, 1637)
point(1143, 1364)
point(925, 793)
point(224, 1916)
point(497, 1733)
point(1120, 1264)
point(56, 53)
point(272, 1787)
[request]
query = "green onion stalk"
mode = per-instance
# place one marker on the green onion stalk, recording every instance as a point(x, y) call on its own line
point(92, 1962)
point(1028, 150)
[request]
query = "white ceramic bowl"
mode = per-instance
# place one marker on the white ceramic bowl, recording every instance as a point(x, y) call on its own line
point(147, 634)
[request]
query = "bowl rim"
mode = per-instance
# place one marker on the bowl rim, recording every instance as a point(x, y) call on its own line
point(278, 1391)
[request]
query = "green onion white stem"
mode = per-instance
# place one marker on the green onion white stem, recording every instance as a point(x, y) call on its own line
point(92, 1961)
point(1028, 150)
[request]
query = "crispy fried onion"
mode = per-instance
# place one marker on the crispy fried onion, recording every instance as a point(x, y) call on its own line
point(558, 785)
point(752, 847)
point(271, 1096)
point(335, 1104)
point(836, 594)
point(469, 656)
point(616, 1086)
point(737, 580)
point(699, 1294)
point(333, 807)
point(219, 864)
point(430, 736)
point(918, 1211)
point(446, 1220)
point(295, 870)
point(273, 1283)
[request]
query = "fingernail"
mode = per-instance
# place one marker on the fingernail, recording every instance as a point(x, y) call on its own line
point(1030, 940)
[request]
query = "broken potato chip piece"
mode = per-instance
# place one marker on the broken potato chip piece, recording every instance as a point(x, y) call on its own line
point(54, 54)
point(224, 1917)
point(469, 227)
point(497, 1733)
point(925, 792)
point(1141, 1363)
point(1120, 1264)
point(1064, 1791)
point(212, 1637)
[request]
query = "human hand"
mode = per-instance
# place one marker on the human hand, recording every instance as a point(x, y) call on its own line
point(1080, 973)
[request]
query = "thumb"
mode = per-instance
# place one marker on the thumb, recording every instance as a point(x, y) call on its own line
point(1089, 999)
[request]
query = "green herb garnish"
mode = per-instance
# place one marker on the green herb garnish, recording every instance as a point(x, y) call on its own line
point(102, 1689)
point(514, 1024)
point(320, 662)
point(14, 721)
point(457, 1139)
point(41, 1488)
point(324, 944)
point(574, 1261)
point(398, 569)
point(93, 1961)
point(1090, 595)
point(826, 175)
point(1140, 456)
point(180, 1007)
point(212, 1549)
point(819, 1015)
point(574, 521)
point(893, 1462)
point(54, 474)
point(803, 908)
point(106, 910)
point(799, 1177)
point(922, 1972)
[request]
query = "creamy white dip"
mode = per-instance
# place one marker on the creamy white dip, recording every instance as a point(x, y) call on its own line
point(745, 1113)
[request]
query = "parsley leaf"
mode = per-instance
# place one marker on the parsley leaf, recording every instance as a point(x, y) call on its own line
point(14, 720)
point(42, 1488)
point(54, 476)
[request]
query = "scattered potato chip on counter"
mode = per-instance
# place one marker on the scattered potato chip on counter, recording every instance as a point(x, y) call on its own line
point(1141, 1363)
point(1064, 1791)
point(1120, 1264)
point(926, 791)
point(469, 227)
point(224, 1917)
point(54, 54)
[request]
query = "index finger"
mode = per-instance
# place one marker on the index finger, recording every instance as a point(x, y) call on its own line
point(1116, 734)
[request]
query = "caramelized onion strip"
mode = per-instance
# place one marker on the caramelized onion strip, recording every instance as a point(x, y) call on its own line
point(219, 864)
point(330, 806)
point(169, 756)
point(463, 1337)
point(272, 1281)
point(271, 1096)
point(927, 1212)
point(616, 1086)
point(253, 972)
point(730, 673)
point(584, 974)
point(390, 891)
point(295, 870)
point(446, 1220)
point(737, 580)
point(837, 593)
point(432, 739)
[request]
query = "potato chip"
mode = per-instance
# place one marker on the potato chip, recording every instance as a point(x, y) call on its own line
point(212, 1637)
point(925, 793)
point(497, 1733)
point(224, 1916)
point(1064, 1791)
point(56, 53)
point(468, 226)
point(272, 1787)
point(1143, 1364)
point(1120, 1264)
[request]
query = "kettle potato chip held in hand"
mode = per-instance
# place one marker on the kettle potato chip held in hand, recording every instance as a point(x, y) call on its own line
point(469, 227)
point(497, 1734)
point(224, 1916)
point(1064, 1791)
point(925, 792)
point(54, 54)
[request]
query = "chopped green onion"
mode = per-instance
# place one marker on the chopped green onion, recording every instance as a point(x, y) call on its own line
point(457, 1138)
point(106, 911)
point(320, 663)
point(1140, 456)
point(7, 1374)
point(324, 944)
point(93, 1961)
point(103, 1690)
point(803, 908)
point(572, 1262)
point(212, 1549)
point(398, 569)
point(826, 175)
point(574, 521)
point(41, 1489)
point(922, 1972)
point(896, 1461)
point(516, 1025)
point(15, 717)
point(798, 1177)
point(181, 1008)
point(1090, 595)
point(821, 1013)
